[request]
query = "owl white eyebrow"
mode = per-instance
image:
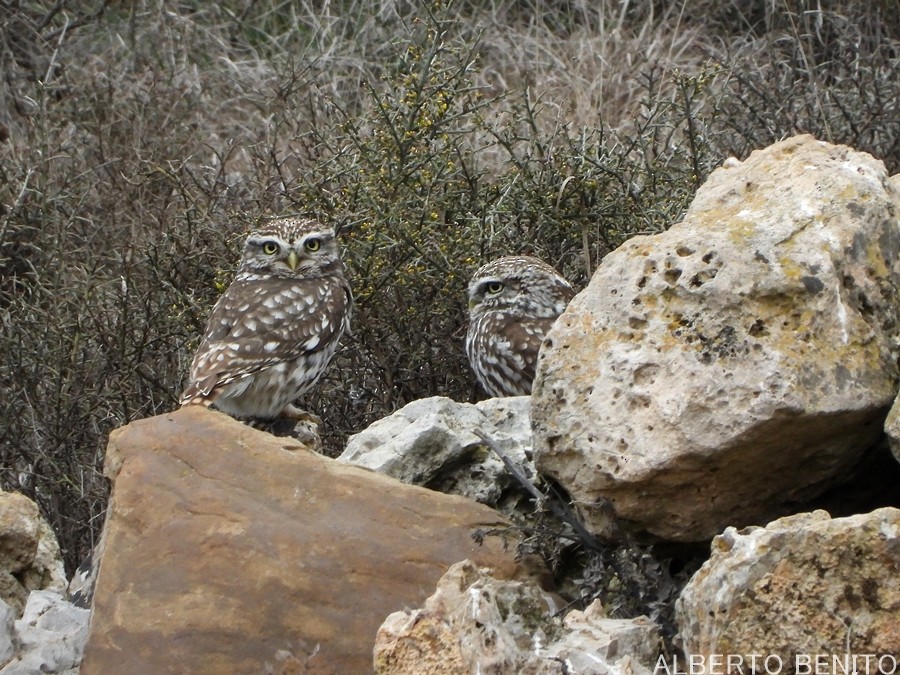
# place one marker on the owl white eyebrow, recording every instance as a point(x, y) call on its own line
point(259, 241)
point(324, 236)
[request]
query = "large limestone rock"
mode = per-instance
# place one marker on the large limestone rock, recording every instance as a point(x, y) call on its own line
point(475, 623)
point(228, 550)
point(432, 442)
point(30, 558)
point(803, 585)
point(738, 364)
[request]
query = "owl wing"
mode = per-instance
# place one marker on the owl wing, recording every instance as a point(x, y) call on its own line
point(526, 337)
point(523, 339)
point(259, 323)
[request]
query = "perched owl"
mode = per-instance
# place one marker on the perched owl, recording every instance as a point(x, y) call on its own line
point(513, 301)
point(274, 330)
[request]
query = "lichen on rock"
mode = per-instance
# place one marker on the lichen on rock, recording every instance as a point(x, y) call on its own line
point(738, 364)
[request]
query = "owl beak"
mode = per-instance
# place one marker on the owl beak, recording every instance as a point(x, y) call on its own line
point(472, 303)
point(293, 260)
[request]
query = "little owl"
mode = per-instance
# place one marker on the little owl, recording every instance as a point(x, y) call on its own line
point(274, 330)
point(513, 301)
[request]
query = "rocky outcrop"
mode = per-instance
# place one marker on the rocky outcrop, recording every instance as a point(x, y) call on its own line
point(474, 623)
point(432, 442)
point(40, 630)
point(719, 374)
point(737, 365)
point(803, 585)
point(229, 550)
point(49, 638)
point(30, 559)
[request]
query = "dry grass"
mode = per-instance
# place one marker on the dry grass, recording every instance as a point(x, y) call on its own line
point(138, 143)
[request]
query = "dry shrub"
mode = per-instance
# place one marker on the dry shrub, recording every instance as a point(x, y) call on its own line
point(805, 68)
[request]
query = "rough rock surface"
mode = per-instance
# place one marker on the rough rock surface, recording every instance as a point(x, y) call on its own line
point(29, 553)
point(228, 550)
point(474, 623)
point(49, 638)
point(892, 423)
point(737, 365)
point(7, 633)
point(892, 428)
point(805, 584)
point(431, 442)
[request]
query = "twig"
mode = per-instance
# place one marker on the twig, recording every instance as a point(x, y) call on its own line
point(561, 510)
point(556, 506)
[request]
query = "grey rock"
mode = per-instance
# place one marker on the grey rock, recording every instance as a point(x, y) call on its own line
point(805, 584)
point(7, 633)
point(474, 623)
point(593, 644)
point(432, 442)
point(50, 637)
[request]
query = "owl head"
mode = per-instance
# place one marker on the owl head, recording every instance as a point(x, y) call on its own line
point(291, 247)
point(520, 285)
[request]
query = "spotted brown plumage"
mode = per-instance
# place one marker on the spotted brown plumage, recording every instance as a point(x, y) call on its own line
point(513, 302)
point(273, 332)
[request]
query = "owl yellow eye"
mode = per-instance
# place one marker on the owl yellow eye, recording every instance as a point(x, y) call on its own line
point(494, 287)
point(312, 244)
point(270, 248)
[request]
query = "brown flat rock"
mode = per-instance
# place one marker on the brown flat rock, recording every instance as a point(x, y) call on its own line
point(228, 550)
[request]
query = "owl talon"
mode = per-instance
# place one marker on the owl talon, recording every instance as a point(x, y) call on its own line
point(307, 430)
point(307, 427)
point(292, 412)
point(309, 433)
